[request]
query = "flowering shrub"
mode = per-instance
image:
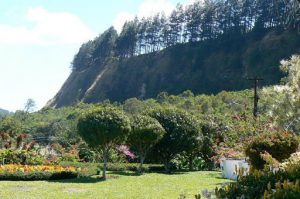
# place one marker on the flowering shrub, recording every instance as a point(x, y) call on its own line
point(11, 168)
point(292, 165)
point(283, 183)
point(37, 172)
point(10, 156)
point(125, 150)
point(279, 145)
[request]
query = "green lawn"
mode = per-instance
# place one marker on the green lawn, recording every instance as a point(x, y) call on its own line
point(121, 185)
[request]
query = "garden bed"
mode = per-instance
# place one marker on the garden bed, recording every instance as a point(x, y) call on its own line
point(30, 173)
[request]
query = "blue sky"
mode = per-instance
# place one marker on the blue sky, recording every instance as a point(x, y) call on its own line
point(38, 39)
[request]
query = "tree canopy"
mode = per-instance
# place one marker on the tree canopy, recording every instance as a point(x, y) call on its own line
point(183, 133)
point(145, 133)
point(102, 129)
point(196, 22)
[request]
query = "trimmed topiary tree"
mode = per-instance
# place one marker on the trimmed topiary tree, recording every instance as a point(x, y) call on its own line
point(279, 145)
point(146, 132)
point(183, 133)
point(103, 129)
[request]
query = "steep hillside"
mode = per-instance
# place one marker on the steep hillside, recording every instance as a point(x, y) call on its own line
point(203, 67)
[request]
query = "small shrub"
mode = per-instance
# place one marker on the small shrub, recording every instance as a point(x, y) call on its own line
point(10, 156)
point(86, 155)
point(279, 145)
point(92, 168)
point(132, 167)
point(70, 157)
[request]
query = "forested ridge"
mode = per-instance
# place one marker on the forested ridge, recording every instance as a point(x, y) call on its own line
point(206, 47)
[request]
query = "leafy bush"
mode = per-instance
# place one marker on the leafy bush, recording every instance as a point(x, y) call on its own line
point(21, 157)
point(183, 135)
point(92, 168)
point(86, 155)
point(133, 167)
point(69, 157)
point(279, 145)
point(292, 165)
point(262, 184)
point(181, 162)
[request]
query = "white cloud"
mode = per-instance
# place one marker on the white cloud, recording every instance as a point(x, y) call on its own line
point(151, 7)
point(189, 2)
point(147, 9)
point(47, 28)
point(121, 18)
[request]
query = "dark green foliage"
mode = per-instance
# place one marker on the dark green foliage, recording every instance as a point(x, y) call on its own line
point(96, 51)
point(88, 169)
point(126, 42)
point(145, 133)
point(103, 126)
point(196, 22)
point(207, 150)
point(182, 134)
point(102, 129)
point(279, 145)
point(133, 167)
point(86, 155)
point(32, 176)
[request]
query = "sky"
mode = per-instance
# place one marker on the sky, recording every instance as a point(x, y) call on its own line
point(39, 38)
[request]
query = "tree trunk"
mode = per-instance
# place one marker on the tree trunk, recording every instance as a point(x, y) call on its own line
point(167, 167)
point(141, 164)
point(190, 163)
point(104, 164)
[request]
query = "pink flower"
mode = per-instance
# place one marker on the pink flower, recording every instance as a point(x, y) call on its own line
point(125, 150)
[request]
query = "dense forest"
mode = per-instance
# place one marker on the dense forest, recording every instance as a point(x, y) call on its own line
point(197, 22)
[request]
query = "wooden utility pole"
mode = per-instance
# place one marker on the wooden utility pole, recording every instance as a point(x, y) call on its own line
point(256, 97)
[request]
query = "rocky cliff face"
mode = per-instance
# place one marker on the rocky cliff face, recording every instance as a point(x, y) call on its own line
point(202, 67)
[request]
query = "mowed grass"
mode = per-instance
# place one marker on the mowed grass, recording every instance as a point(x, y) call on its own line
point(119, 185)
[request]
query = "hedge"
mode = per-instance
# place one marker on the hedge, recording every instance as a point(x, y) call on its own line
point(92, 168)
point(34, 176)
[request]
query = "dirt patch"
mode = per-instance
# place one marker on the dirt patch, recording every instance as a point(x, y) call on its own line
point(74, 190)
point(23, 188)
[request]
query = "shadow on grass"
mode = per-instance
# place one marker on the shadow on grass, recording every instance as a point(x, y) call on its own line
point(125, 173)
point(172, 172)
point(87, 179)
point(95, 179)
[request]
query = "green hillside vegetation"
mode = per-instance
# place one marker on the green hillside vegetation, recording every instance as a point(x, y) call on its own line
point(227, 115)
point(229, 112)
point(202, 47)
